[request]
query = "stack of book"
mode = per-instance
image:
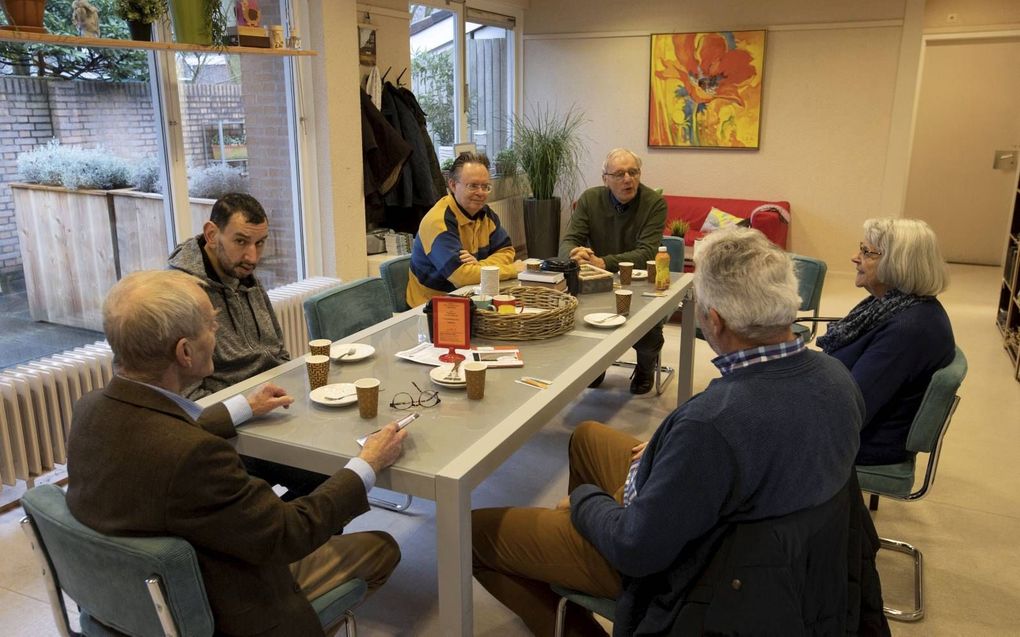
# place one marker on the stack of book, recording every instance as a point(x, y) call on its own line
point(242, 35)
point(553, 280)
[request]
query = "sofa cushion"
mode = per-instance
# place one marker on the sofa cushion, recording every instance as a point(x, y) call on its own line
point(772, 217)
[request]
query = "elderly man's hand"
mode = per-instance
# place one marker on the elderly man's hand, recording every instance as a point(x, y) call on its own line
point(581, 254)
point(467, 257)
point(519, 265)
point(267, 398)
point(383, 447)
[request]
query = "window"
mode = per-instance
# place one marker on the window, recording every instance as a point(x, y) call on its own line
point(484, 47)
point(109, 113)
point(489, 45)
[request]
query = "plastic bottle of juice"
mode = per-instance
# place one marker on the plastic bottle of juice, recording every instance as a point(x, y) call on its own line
point(662, 269)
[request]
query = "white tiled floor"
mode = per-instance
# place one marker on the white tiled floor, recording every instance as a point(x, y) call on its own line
point(967, 528)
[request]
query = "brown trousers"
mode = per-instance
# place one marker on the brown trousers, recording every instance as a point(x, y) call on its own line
point(369, 555)
point(518, 552)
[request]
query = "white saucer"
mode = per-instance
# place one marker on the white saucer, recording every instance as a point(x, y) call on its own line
point(595, 320)
point(638, 275)
point(322, 394)
point(361, 350)
point(438, 374)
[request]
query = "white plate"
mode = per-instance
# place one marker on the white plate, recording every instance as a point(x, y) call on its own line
point(596, 319)
point(638, 275)
point(323, 394)
point(438, 376)
point(361, 350)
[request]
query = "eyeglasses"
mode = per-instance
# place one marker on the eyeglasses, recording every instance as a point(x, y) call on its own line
point(620, 174)
point(871, 254)
point(478, 187)
point(404, 400)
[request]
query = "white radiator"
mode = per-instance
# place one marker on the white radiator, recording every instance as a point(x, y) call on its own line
point(36, 397)
point(288, 303)
point(511, 215)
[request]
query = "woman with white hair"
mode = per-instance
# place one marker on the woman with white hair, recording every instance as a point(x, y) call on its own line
point(894, 340)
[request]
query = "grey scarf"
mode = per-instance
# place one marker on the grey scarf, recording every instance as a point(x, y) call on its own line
point(867, 315)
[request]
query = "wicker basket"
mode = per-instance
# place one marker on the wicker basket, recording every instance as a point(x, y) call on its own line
point(557, 319)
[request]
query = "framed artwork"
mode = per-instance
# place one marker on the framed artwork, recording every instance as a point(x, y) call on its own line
point(705, 89)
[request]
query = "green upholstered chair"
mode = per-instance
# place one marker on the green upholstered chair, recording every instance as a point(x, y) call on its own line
point(810, 280)
point(348, 308)
point(897, 480)
point(394, 275)
point(341, 311)
point(602, 606)
point(139, 586)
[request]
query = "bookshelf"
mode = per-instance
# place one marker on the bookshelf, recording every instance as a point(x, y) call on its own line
point(1008, 313)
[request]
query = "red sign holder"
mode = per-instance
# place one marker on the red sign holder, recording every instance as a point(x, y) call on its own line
point(451, 325)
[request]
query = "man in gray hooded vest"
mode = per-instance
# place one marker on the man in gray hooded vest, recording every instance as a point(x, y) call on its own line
point(249, 339)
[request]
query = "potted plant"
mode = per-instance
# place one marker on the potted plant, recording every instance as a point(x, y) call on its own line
point(548, 149)
point(674, 243)
point(24, 15)
point(140, 14)
point(199, 21)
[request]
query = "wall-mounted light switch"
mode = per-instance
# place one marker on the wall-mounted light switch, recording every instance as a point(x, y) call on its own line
point(1004, 160)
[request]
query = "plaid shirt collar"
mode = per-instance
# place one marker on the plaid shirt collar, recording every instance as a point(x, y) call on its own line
point(727, 363)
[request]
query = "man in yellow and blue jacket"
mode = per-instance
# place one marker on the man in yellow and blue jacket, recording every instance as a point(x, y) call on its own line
point(459, 235)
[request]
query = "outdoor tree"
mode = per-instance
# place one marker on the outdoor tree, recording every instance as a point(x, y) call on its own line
point(72, 63)
point(432, 72)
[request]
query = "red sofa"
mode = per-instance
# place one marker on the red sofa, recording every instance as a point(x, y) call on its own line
point(771, 217)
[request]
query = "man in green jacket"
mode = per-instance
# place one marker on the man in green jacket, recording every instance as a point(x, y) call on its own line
point(621, 220)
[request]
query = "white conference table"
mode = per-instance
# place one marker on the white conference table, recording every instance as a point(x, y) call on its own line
point(455, 445)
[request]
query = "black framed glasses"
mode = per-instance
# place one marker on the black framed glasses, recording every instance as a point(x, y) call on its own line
point(426, 398)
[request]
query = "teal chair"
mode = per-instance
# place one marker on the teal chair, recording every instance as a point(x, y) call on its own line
point(137, 586)
point(810, 280)
point(394, 275)
point(341, 311)
point(602, 606)
point(927, 432)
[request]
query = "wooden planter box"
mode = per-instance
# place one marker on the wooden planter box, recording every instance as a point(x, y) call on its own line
point(75, 244)
point(230, 151)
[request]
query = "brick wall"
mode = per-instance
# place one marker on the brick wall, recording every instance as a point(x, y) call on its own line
point(121, 118)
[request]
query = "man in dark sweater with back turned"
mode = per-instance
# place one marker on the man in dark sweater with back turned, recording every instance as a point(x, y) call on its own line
point(776, 434)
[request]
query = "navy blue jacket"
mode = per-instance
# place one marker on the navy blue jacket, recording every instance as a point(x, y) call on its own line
point(893, 364)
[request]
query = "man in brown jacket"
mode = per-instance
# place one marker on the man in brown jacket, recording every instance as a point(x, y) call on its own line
point(143, 460)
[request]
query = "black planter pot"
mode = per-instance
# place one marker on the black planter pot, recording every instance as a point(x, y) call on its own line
point(542, 227)
point(141, 31)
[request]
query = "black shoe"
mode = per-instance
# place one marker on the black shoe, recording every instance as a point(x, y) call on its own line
point(598, 380)
point(642, 381)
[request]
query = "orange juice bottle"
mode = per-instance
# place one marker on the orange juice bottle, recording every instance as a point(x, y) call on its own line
point(662, 269)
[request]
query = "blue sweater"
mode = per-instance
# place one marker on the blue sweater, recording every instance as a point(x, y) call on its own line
point(893, 364)
point(763, 441)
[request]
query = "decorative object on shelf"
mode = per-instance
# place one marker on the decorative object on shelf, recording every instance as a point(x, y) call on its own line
point(705, 89)
point(86, 18)
point(139, 15)
point(247, 13)
point(275, 35)
point(199, 22)
point(294, 41)
point(548, 148)
point(24, 15)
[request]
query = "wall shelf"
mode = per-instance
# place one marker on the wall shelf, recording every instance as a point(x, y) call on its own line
point(71, 40)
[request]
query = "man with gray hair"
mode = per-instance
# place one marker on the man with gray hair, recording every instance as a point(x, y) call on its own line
point(622, 220)
point(776, 434)
point(144, 460)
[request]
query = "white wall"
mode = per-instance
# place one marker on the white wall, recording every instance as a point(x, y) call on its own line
point(828, 96)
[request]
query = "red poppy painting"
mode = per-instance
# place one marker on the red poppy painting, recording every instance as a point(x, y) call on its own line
point(706, 89)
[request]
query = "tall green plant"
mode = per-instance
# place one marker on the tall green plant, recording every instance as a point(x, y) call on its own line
point(549, 150)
